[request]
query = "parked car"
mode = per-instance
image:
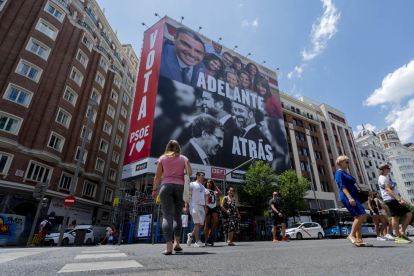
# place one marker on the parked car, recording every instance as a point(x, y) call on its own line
point(94, 234)
point(409, 231)
point(306, 230)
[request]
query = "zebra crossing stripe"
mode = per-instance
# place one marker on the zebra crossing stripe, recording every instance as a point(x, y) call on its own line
point(99, 256)
point(79, 267)
point(99, 251)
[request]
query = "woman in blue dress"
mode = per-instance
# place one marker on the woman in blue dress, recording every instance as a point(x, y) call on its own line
point(348, 194)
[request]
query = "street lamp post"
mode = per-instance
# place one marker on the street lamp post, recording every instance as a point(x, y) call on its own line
point(92, 103)
point(313, 188)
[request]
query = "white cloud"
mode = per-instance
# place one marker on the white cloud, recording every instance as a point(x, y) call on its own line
point(402, 119)
point(395, 86)
point(254, 23)
point(366, 126)
point(297, 71)
point(323, 29)
point(293, 89)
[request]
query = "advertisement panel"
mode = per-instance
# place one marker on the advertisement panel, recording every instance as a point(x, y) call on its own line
point(222, 108)
point(144, 226)
point(78, 214)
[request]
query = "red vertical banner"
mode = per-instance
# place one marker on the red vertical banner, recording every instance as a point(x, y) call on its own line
point(142, 118)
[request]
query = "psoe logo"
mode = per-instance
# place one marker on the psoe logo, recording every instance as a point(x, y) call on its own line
point(217, 173)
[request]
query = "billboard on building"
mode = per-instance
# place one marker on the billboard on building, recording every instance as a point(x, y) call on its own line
point(222, 108)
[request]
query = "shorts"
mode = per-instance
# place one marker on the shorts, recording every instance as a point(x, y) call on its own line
point(197, 213)
point(211, 210)
point(278, 220)
point(396, 209)
point(375, 211)
point(41, 234)
point(107, 235)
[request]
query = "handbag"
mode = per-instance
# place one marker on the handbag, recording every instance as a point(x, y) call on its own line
point(187, 197)
point(224, 213)
point(362, 195)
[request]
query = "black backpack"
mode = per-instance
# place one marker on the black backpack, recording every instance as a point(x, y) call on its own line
point(48, 226)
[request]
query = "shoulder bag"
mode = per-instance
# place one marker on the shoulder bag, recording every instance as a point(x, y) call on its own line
point(362, 195)
point(187, 197)
point(224, 213)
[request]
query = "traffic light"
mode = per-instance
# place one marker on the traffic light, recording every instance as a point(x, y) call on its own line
point(38, 191)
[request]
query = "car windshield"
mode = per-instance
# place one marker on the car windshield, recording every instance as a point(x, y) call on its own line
point(296, 225)
point(410, 227)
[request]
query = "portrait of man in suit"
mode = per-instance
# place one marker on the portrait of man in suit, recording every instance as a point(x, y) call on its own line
point(207, 140)
point(182, 60)
point(214, 48)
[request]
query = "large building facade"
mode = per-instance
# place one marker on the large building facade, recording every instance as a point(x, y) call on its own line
point(55, 56)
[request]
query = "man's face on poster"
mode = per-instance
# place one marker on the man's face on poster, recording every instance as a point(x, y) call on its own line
point(189, 50)
point(215, 142)
point(208, 102)
point(241, 114)
point(217, 47)
point(228, 60)
point(184, 94)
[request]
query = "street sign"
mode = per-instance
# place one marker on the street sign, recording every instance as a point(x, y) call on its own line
point(69, 200)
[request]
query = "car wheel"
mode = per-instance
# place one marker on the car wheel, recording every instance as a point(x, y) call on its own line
point(65, 241)
point(320, 236)
point(298, 236)
point(88, 242)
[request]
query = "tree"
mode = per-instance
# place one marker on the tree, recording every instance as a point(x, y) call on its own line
point(292, 190)
point(257, 187)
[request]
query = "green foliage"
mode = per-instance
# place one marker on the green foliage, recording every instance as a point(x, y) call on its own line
point(292, 190)
point(411, 207)
point(258, 187)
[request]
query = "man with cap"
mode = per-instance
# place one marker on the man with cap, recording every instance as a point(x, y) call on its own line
point(396, 205)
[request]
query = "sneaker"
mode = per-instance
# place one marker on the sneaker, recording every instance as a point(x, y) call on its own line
point(401, 240)
point(381, 238)
point(275, 240)
point(404, 236)
point(389, 237)
point(189, 239)
point(209, 242)
point(285, 239)
point(199, 244)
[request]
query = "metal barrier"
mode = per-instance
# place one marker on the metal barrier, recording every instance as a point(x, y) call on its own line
point(35, 240)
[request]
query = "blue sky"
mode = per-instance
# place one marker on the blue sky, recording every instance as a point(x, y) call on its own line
point(357, 56)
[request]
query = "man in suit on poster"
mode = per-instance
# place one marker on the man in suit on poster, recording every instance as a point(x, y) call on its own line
point(183, 60)
point(206, 142)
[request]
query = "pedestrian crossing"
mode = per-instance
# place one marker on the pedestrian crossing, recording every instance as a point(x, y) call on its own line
point(99, 253)
point(7, 255)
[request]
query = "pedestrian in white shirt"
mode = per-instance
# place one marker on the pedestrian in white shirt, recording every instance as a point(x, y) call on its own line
point(198, 209)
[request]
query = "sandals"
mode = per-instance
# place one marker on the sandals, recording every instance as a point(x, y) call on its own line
point(353, 241)
point(230, 244)
point(364, 244)
point(178, 249)
point(167, 253)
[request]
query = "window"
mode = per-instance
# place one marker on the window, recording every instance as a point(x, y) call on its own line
point(305, 151)
point(316, 141)
point(373, 175)
point(124, 113)
point(321, 169)
point(326, 136)
point(5, 161)
point(284, 117)
point(10, 123)
point(297, 135)
point(339, 151)
point(63, 117)
point(55, 12)
point(56, 141)
point(104, 64)
point(111, 111)
point(103, 146)
point(402, 160)
point(65, 181)
point(105, 215)
point(96, 96)
point(89, 133)
point(407, 175)
point(38, 48)
point(112, 174)
point(332, 163)
point(70, 96)
point(300, 150)
point(81, 57)
point(118, 141)
point(302, 165)
point(47, 29)
point(87, 42)
point(336, 138)
point(38, 172)
point(107, 128)
point(329, 149)
point(85, 154)
point(300, 123)
point(100, 79)
point(295, 122)
point(88, 113)
point(115, 157)
point(323, 125)
point(29, 70)
point(126, 99)
point(121, 126)
point(2, 3)
point(18, 95)
point(108, 194)
point(128, 86)
point(333, 126)
point(89, 189)
point(114, 96)
point(302, 137)
point(99, 166)
point(76, 76)
point(116, 81)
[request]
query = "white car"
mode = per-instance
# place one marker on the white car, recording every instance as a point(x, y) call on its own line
point(409, 231)
point(306, 230)
point(69, 237)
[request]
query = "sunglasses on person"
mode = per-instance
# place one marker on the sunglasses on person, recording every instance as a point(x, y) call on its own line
point(347, 162)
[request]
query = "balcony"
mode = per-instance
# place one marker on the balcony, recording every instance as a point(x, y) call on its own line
point(83, 24)
point(364, 155)
point(116, 69)
point(66, 5)
point(288, 107)
point(103, 50)
point(119, 58)
point(130, 76)
point(91, 15)
point(106, 39)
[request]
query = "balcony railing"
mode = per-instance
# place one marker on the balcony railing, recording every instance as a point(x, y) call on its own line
point(91, 15)
point(106, 38)
point(130, 76)
point(116, 69)
point(119, 58)
point(66, 5)
point(288, 107)
point(87, 27)
point(103, 50)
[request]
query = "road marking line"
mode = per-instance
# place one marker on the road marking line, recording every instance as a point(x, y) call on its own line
point(10, 256)
point(99, 251)
point(77, 267)
point(98, 256)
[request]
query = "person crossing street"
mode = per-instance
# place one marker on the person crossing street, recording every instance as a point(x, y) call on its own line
point(277, 217)
point(198, 209)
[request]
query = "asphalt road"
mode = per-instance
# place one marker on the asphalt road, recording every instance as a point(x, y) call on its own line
point(309, 257)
